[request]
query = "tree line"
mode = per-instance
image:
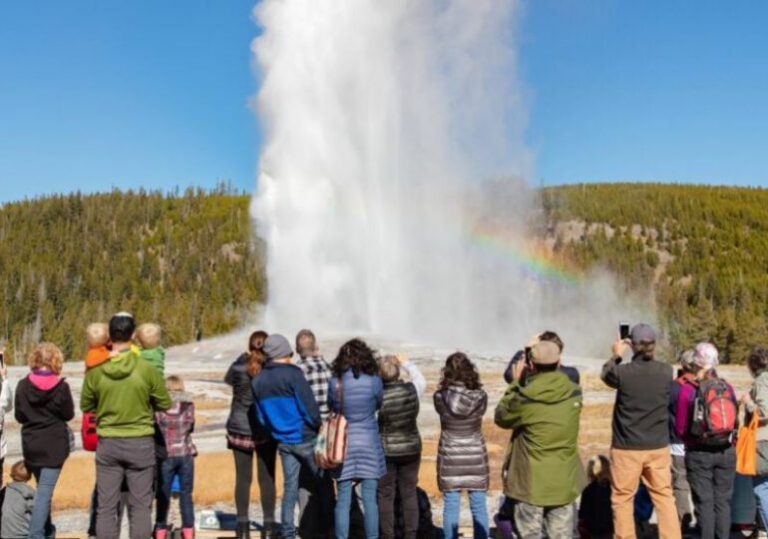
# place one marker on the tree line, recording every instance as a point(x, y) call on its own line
point(184, 259)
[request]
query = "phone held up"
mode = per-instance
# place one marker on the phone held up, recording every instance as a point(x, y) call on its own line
point(624, 331)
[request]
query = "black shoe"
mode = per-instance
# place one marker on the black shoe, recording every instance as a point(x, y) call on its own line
point(243, 530)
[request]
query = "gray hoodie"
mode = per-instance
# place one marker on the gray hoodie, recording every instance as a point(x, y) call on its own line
point(17, 510)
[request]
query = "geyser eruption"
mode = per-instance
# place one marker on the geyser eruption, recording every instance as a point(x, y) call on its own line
point(390, 192)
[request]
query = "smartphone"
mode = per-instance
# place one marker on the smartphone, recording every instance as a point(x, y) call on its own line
point(623, 331)
point(2, 360)
point(528, 356)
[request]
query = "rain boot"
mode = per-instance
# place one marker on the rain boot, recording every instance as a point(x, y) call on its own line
point(188, 533)
point(161, 533)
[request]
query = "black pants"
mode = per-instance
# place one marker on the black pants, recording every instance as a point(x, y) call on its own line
point(402, 473)
point(266, 455)
point(710, 476)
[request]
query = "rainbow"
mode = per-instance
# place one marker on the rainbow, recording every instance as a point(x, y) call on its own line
point(536, 261)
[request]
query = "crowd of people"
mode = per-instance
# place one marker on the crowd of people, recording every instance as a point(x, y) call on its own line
point(672, 440)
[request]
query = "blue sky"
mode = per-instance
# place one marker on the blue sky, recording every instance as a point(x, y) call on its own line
point(155, 94)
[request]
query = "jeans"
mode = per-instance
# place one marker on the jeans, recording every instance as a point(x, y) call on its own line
point(294, 458)
point(402, 477)
point(760, 488)
point(451, 512)
point(40, 525)
point(184, 467)
point(711, 475)
point(132, 459)
point(369, 489)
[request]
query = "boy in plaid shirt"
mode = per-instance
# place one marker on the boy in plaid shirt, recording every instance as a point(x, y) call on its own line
point(318, 373)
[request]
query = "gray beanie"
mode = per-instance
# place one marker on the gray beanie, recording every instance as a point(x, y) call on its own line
point(277, 347)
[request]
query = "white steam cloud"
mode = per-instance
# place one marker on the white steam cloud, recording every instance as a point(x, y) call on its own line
point(387, 127)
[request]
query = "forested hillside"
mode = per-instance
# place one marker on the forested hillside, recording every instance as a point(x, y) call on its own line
point(185, 260)
point(701, 251)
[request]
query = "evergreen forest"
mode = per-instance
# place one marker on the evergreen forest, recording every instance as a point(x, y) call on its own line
point(185, 260)
point(699, 252)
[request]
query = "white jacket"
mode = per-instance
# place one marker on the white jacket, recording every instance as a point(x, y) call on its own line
point(6, 405)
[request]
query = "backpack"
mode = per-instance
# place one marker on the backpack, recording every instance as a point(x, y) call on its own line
point(715, 413)
point(88, 432)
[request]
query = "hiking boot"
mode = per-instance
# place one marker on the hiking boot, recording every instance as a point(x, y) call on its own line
point(243, 530)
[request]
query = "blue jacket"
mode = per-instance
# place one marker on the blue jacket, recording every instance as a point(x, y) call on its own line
point(362, 398)
point(285, 403)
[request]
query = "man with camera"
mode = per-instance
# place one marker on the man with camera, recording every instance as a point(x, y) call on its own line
point(640, 446)
point(543, 474)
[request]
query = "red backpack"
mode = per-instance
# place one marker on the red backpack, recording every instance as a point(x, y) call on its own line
point(715, 413)
point(88, 431)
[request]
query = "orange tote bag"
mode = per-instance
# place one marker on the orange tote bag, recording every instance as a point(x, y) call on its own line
point(746, 447)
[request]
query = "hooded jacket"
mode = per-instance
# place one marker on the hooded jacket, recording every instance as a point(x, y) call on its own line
point(462, 458)
point(17, 511)
point(125, 393)
point(543, 466)
point(285, 404)
point(43, 407)
point(397, 420)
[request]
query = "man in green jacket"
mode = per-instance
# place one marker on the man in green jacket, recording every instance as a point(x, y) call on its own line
point(125, 392)
point(543, 474)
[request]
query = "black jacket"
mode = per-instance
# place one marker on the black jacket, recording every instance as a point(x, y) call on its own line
point(397, 420)
point(43, 416)
point(640, 415)
point(242, 416)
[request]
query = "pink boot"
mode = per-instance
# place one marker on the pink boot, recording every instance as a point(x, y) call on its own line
point(161, 533)
point(188, 533)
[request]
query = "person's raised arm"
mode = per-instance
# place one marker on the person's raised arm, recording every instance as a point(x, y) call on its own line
point(20, 416)
point(417, 379)
point(229, 378)
point(610, 372)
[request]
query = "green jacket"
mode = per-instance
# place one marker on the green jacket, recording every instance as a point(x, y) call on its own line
point(543, 467)
point(156, 358)
point(125, 392)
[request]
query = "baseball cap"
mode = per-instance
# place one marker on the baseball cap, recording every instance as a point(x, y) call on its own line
point(642, 333)
point(545, 353)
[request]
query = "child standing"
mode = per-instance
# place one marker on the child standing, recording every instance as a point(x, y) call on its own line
point(149, 336)
point(18, 504)
point(595, 513)
point(176, 452)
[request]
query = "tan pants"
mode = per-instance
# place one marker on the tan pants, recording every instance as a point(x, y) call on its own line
point(655, 468)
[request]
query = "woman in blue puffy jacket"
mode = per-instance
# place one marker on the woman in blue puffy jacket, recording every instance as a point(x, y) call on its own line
point(356, 391)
